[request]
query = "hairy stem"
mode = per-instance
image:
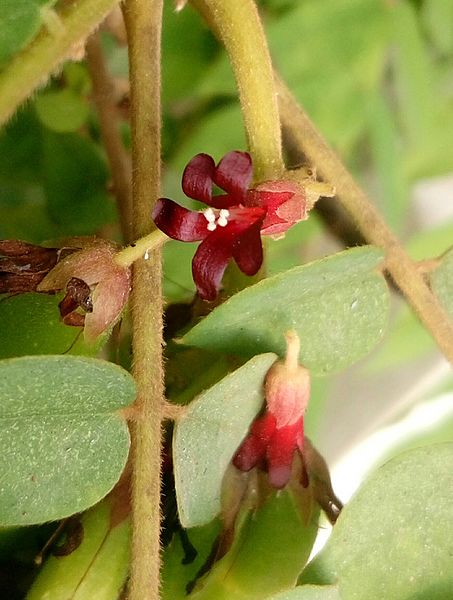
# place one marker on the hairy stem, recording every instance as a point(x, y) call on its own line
point(141, 248)
point(143, 23)
point(368, 220)
point(119, 161)
point(34, 65)
point(239, 27)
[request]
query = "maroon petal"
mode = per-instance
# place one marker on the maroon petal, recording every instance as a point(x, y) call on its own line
point(198, 177)
point(253, 448)
point(234, 174)
point(248, 250)
point(212, 256)
point(280, 454)
point(178, 222)
point(223, 201)
point(209, 263)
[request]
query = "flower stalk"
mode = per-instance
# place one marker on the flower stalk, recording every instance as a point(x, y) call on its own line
point(143, 20)
point(141, 248)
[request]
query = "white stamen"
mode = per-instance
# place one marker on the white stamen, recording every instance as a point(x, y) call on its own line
point(212, 226)
point(222, 221)
point(146, 256)
point(209, 215)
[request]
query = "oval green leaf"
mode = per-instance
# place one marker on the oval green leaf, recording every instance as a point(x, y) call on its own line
point(310, 592)
point(63, 444)
point(209, 433)
point(97, 568)
point(30, 324)
point(338, 306)
point(270, 550)
point(61, 110)
point(21, 20)
point(394, 538)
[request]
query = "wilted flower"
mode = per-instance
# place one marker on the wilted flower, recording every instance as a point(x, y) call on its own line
point(96, 287)
point(232, 225)
point(23, 265)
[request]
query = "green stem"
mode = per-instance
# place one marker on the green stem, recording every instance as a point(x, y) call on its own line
point(33, 66)
point(141, 248)
point(368, 220)
point(143, 23)
point(239, 27)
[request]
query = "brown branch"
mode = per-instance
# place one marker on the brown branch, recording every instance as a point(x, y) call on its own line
point(120, 167)
point(368, 220)
point(143, 20)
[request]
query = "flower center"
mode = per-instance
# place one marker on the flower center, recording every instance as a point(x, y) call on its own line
point(215, 218)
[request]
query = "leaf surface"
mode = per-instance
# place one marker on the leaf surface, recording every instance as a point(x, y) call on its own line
point(208, 435)
point(62, 443)
point(338, 306)
point(393, 539)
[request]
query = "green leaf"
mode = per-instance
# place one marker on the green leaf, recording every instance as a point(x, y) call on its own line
point(270, 550)
point(61, 110)
point(337, 305)
point(310, 592)
point(63, 443)
point(177, 572)
point(217, 133)
point(413, 77)
point(181, 70)
point(75, 183)
point(30, 324)
point(442, 281)
point(97, 568)
point(438, 17)
point(385, 149)
point(393, 539)
point(21, 20)
point(209, 433)
point(430, 242)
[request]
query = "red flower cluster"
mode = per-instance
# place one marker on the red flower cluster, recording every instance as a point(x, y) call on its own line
point(275, 436)
point(232, 225)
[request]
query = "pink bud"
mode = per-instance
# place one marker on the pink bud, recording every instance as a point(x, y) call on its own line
point(287, 385)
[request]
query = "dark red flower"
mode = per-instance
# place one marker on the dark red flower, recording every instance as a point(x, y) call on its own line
point(232, 225)
point(275, 436)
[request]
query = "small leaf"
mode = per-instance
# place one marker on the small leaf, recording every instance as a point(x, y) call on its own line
point(438, 18)
point(310, 592)
point(75, 183)
point(62, 444)
point(394, 539)
point(209, 433)
point(31, 324)
point(270, 550)
point(61, 110)
point(97, 568)
point(177, 572)
point(20, 22)
point(442, 281)
point(338, 306)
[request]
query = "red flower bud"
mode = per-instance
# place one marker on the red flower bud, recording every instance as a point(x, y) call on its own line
point(275, 436)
